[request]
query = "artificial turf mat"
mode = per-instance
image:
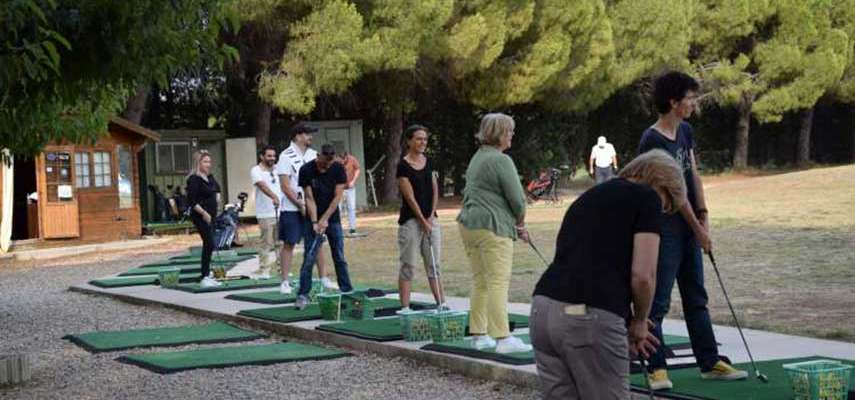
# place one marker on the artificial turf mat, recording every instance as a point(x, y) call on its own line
point(284, 314)
point(196, 251)
point(464, 348)
point(232, 356)
point(217, 332)
point(312, 311)
point(380, 330)
point(235, 284)
point(140, 280)
point(185, 269)
point(196, 260)
point(689, 385)
point(274, 297)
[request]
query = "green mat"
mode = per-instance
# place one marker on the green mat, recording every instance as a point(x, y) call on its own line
point(464, 348)
point(689, 385)
point(217, 332)
point(236, 284)
point(389, 329)
point(676, 342)
point(381, 330)
point(291, 314)
point(284, 314)
point(196, 260)
point(274, 297)
point(138, 281)
point(185, 269)
point(224, 357)
point(196, 251)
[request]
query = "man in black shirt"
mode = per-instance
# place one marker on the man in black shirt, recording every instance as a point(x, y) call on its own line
point(684, 234)
point(323, 180)
point(603, 275)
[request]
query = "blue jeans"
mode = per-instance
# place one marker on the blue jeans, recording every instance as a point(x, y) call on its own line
point(681, 260)
point(335, 237)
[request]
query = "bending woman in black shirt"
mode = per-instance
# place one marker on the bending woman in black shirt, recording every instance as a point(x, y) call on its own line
point(602, 280)
point(202, 190)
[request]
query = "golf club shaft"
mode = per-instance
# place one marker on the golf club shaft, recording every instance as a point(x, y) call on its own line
point(539, 254)
point(646, 377)
point(733, 313)
point(439, 288)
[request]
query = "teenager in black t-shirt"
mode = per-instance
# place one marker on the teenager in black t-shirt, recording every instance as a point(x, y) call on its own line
point(323, 181)
point(202, 191)
point(418, 231)
point(684, 235)
point(603, 275)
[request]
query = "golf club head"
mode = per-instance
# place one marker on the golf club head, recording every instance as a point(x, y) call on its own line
point(763, 378)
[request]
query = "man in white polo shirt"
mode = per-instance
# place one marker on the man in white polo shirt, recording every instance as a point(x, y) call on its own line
point(292, 219)
point(604, 157)
point(268, 197)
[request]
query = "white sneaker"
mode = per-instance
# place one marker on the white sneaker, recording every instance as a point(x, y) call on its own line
point(404, 310)
point(481, 342)
point(328, 284)
point(512, 344)
point(208, 282)
point(263, 276)
point(285, 288)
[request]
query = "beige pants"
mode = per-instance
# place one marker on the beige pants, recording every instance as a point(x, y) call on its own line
point(490, 258)
point(268, 251)
point(413, 245)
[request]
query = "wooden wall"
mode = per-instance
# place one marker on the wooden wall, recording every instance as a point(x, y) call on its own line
point(101, 219)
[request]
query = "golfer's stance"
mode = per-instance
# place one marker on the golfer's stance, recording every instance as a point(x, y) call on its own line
point(323, 181)
point(603, 275)
point(684, 234)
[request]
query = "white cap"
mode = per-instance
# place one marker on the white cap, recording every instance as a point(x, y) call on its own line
point(601, 141)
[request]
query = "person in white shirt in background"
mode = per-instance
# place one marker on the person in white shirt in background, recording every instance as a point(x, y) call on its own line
point(268, 198)
point(292, 216)
point(604, 157)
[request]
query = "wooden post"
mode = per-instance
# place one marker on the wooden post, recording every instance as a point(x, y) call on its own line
point(14, 369)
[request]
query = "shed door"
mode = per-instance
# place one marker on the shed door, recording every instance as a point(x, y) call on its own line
point(57, 198)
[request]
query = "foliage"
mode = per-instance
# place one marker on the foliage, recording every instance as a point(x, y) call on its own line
point(69, 65)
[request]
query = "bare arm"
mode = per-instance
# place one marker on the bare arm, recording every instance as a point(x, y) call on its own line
point(285, 185)
point(267, 192)
point(352, 183)
point(435, 196)
point(645, 255)
point(311, 208)
point(699, 189)
point(591, 163)
point(614, 161)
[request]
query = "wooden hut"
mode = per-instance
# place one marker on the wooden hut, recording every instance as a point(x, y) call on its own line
point(85, 192)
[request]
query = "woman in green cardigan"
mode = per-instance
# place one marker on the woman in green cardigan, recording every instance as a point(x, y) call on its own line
point(492, 217)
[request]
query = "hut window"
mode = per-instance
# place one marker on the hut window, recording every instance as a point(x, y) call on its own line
point(58, 176)
point(125, 179)
point(102, 169)
point(81, 170)
point(173, 157)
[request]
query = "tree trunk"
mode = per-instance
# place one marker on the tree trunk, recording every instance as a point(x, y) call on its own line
point(853, 135)
point(740, 153)
point(803, 151)
point(393, 124)
point(261, 125)
point(136, 105)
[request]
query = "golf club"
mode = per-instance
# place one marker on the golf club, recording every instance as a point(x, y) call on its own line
point(646, 377)
point(440, 303)
point(539, 254)
point(761, 377)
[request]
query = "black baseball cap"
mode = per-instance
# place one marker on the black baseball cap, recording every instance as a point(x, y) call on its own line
point(302, 127)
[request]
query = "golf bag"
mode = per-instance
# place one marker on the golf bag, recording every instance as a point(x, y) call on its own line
point(544, 186)
point(226, 224)
point(161, 205)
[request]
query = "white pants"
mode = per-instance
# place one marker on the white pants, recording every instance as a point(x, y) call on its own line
point(349, 205)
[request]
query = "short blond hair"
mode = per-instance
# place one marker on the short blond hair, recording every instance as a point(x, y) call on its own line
point(493, 126)
point(659, 170)
point(198, 156)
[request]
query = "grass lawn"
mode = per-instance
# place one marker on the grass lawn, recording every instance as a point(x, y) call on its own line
point(785, 244)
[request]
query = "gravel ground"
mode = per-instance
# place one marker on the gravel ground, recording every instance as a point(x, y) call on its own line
point(36, 310)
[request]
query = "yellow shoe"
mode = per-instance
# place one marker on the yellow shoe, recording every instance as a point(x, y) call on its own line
point(724, 372)
point(659, 380)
